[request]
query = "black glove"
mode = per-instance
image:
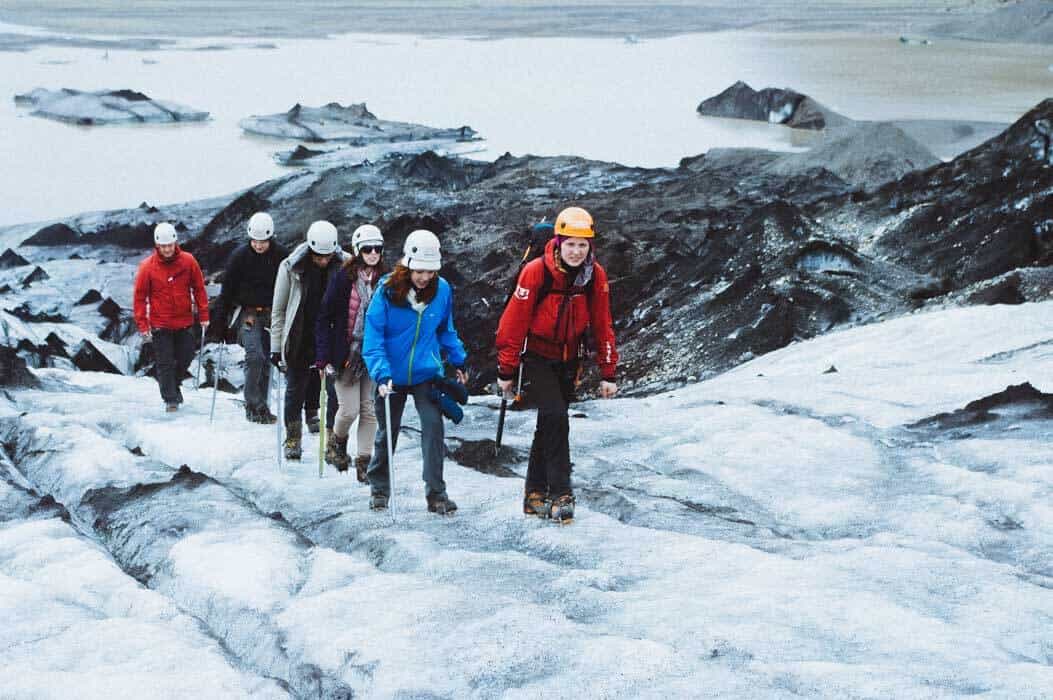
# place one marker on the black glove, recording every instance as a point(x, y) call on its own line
point(276, 360)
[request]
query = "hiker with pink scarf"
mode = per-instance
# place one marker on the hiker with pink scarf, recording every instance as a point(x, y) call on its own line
point(338, 348)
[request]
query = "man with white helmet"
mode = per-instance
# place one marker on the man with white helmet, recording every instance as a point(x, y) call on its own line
point(409, 333)
point(298, 290)
point(168, 284)
point(248, 289)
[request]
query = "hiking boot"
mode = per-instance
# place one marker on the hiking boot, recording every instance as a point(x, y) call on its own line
point(171, 407)
point(265, 416)
point(361, 467)
point(562, 509)
point(535, 503)
point(293, 433)
point(252, 415)
point(378, 501)
point(441, 504)
point(313, 426)
point(336, 451)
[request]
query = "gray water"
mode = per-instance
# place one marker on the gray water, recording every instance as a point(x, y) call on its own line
point(599, 98)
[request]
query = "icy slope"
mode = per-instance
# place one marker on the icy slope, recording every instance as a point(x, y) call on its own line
point(774, 532)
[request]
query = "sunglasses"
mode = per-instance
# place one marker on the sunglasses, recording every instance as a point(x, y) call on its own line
point(371, 249)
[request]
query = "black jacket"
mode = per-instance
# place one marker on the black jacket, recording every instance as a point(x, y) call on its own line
point(248, 280)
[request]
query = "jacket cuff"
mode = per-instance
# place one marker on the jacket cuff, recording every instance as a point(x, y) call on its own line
point(505, 373)
point(607, 377)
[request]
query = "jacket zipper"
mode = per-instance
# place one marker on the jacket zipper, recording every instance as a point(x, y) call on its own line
point(413, 348)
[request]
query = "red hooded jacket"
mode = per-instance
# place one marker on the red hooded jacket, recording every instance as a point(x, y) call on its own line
point(163, 290)
point(548, 331)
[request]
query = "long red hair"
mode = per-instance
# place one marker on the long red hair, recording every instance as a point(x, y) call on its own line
point(399, 285)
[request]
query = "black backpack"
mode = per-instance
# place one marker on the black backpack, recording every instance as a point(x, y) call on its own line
point(540, 234)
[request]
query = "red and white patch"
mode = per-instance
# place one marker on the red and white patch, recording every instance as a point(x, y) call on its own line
point(522, 293)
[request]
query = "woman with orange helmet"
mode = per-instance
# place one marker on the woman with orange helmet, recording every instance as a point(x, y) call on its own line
point(558, 297)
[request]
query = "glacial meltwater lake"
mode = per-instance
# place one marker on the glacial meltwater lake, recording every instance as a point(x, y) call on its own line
point(606, 99)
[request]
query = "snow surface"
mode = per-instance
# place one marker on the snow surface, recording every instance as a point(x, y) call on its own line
point(774, 532)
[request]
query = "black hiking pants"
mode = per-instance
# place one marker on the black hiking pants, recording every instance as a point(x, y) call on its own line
point(552, 389)
point(303, 388)
point(173, 352)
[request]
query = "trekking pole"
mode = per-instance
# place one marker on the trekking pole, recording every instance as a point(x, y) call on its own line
point(504, 407)
point(322, 400)
point(215, 382)
point(200, 358)
point(279, 413)
point(391, 470)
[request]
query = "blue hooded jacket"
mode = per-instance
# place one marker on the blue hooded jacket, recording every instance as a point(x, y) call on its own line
point(408, 347)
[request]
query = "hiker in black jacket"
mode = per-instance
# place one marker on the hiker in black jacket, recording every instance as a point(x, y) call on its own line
point(248, 287)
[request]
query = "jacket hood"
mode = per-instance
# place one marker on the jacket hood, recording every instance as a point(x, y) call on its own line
point(168, 261)
point(584, 271)
point(300, 253)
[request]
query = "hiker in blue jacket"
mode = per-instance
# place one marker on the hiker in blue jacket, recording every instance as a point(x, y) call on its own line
point(409, 331)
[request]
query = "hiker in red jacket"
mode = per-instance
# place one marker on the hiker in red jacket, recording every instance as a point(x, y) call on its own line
point(167, 286)
point(558, 297)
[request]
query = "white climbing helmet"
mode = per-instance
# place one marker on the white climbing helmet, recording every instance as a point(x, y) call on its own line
point(164, 234)
point(366, 234)
point(261, 226)
point(321, 238)
point(421, 251)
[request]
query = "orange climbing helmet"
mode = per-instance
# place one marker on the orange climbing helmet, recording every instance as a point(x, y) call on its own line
point(574, 222)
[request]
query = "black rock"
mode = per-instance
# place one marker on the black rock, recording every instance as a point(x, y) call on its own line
point(479, 455)
point(978, 216)
point(1004, 291)
point(13, 370)
point(138, 236)
point(1028, 400)
point(11, 259)
point(226, 230)
point(55, 234)
point(779, 106)
point(89, 359)
point(27, 312)
point(302, 153)
point(56, 346)
point(37, 275)
point(92, 296)
point(110, 309)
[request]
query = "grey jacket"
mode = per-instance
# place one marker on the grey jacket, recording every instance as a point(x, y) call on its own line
point(288, 295)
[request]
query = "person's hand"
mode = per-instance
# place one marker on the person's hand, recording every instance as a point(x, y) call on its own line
point(276, 360)
point(462, 376)
point(505, 385)
point(327, 371)
point(204, 325)
point(385, 389)
point(148, 337)
point(608, 389)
